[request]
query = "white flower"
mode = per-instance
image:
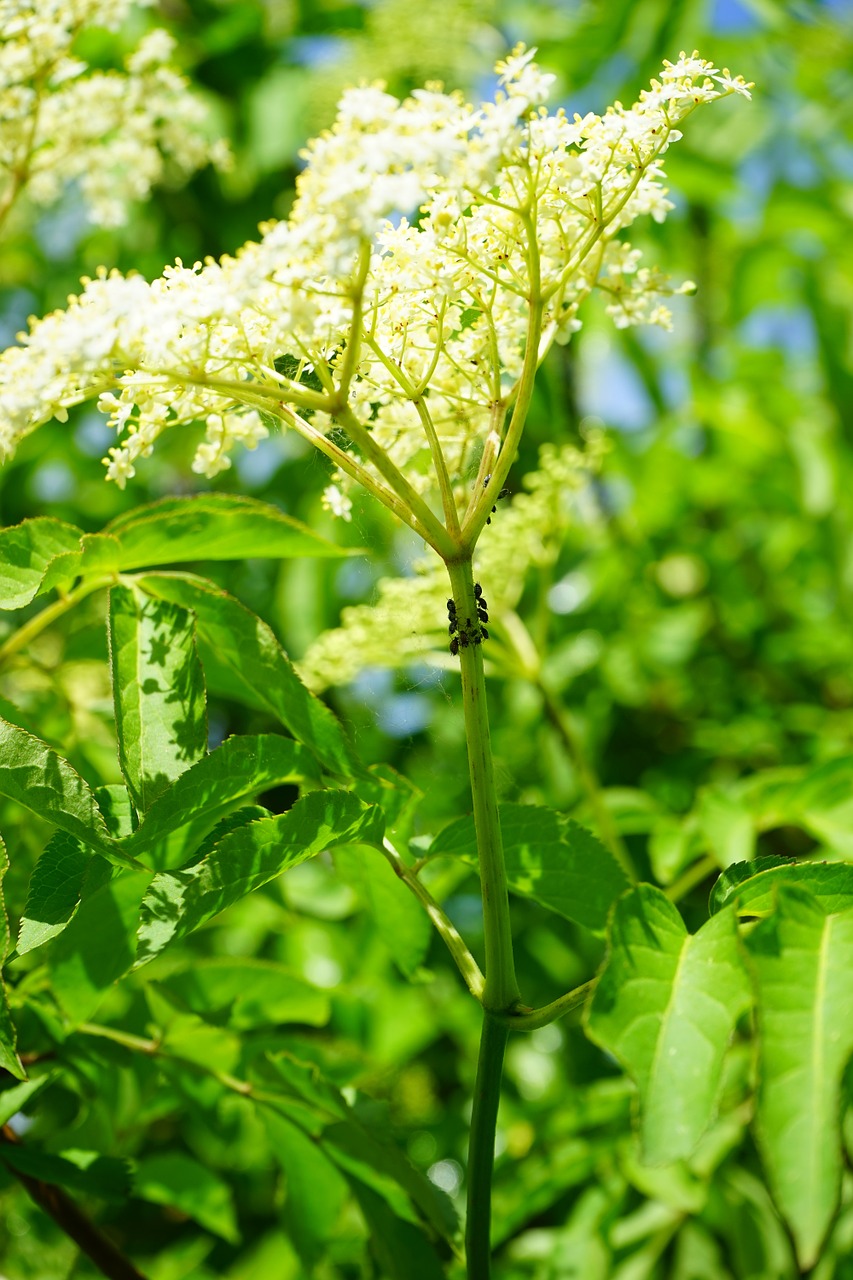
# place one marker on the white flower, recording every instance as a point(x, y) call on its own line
point(112, 132)
point(337, 502)
point(409, 337)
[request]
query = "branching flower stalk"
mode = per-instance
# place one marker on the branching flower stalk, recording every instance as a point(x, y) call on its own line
point(396, 320)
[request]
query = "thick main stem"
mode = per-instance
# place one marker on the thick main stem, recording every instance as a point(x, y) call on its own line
point(500, 993)
point(481, 1146)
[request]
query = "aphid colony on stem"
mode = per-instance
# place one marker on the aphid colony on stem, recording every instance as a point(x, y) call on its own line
point(472, 632)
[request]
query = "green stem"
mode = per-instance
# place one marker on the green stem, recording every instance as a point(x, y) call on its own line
point(481, 1147)
point(501, 992)
point(22, 637)
point(532, 1019)
point(465, 962)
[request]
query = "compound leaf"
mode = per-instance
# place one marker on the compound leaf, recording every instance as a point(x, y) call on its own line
point(242, 767)
point(250, 856)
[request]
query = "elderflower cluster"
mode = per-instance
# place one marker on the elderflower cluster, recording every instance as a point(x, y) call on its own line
point(113, 132)
point(432, 249)
point(526, 531)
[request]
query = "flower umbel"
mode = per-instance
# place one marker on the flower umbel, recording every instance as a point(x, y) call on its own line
point(434, 253)
point(114, 132)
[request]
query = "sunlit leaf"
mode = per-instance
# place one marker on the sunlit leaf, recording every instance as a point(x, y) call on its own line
point(238, 770)
point(548, 858)
point(802, 957)
point(752, 886)
point(26, 550)
point(97, 556)
point(15, 1099)
point(158, 692)
point(242, 659)
point(33, 775)
point(212, 526)
point(249, 857)
point(66, 872)
point(666, 1005)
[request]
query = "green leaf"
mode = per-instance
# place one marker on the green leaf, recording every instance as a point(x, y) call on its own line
point(98, 946)
point(361, 1152)
point(401, 1249)
point(315, 1191)
point(243, 660)
point(158, 691)
point(823, 804)
point(304, 1080)
point(398, 917)
point(252, 993)
point(96, 556)
point(378, 1164)
point(26, 550)
point(549, 858)
point(38, 779)
point(107, 1177)
point(15, 1099)
point(65, 873)
point(802, 958)
point(751, 887)
point(726, 825)
point(180, 1182)
point(212, 526)
point(245, 859)
point(242, 767)
point(189, 1038)
point(116, 805)
point(9, 1059)
point(666, 1005)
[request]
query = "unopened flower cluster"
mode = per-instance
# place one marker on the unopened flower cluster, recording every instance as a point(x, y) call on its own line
point(431, 244)
point(527, 530)
point(115, 133)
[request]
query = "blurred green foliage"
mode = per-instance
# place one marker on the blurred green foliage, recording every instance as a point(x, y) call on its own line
point(696, 627)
